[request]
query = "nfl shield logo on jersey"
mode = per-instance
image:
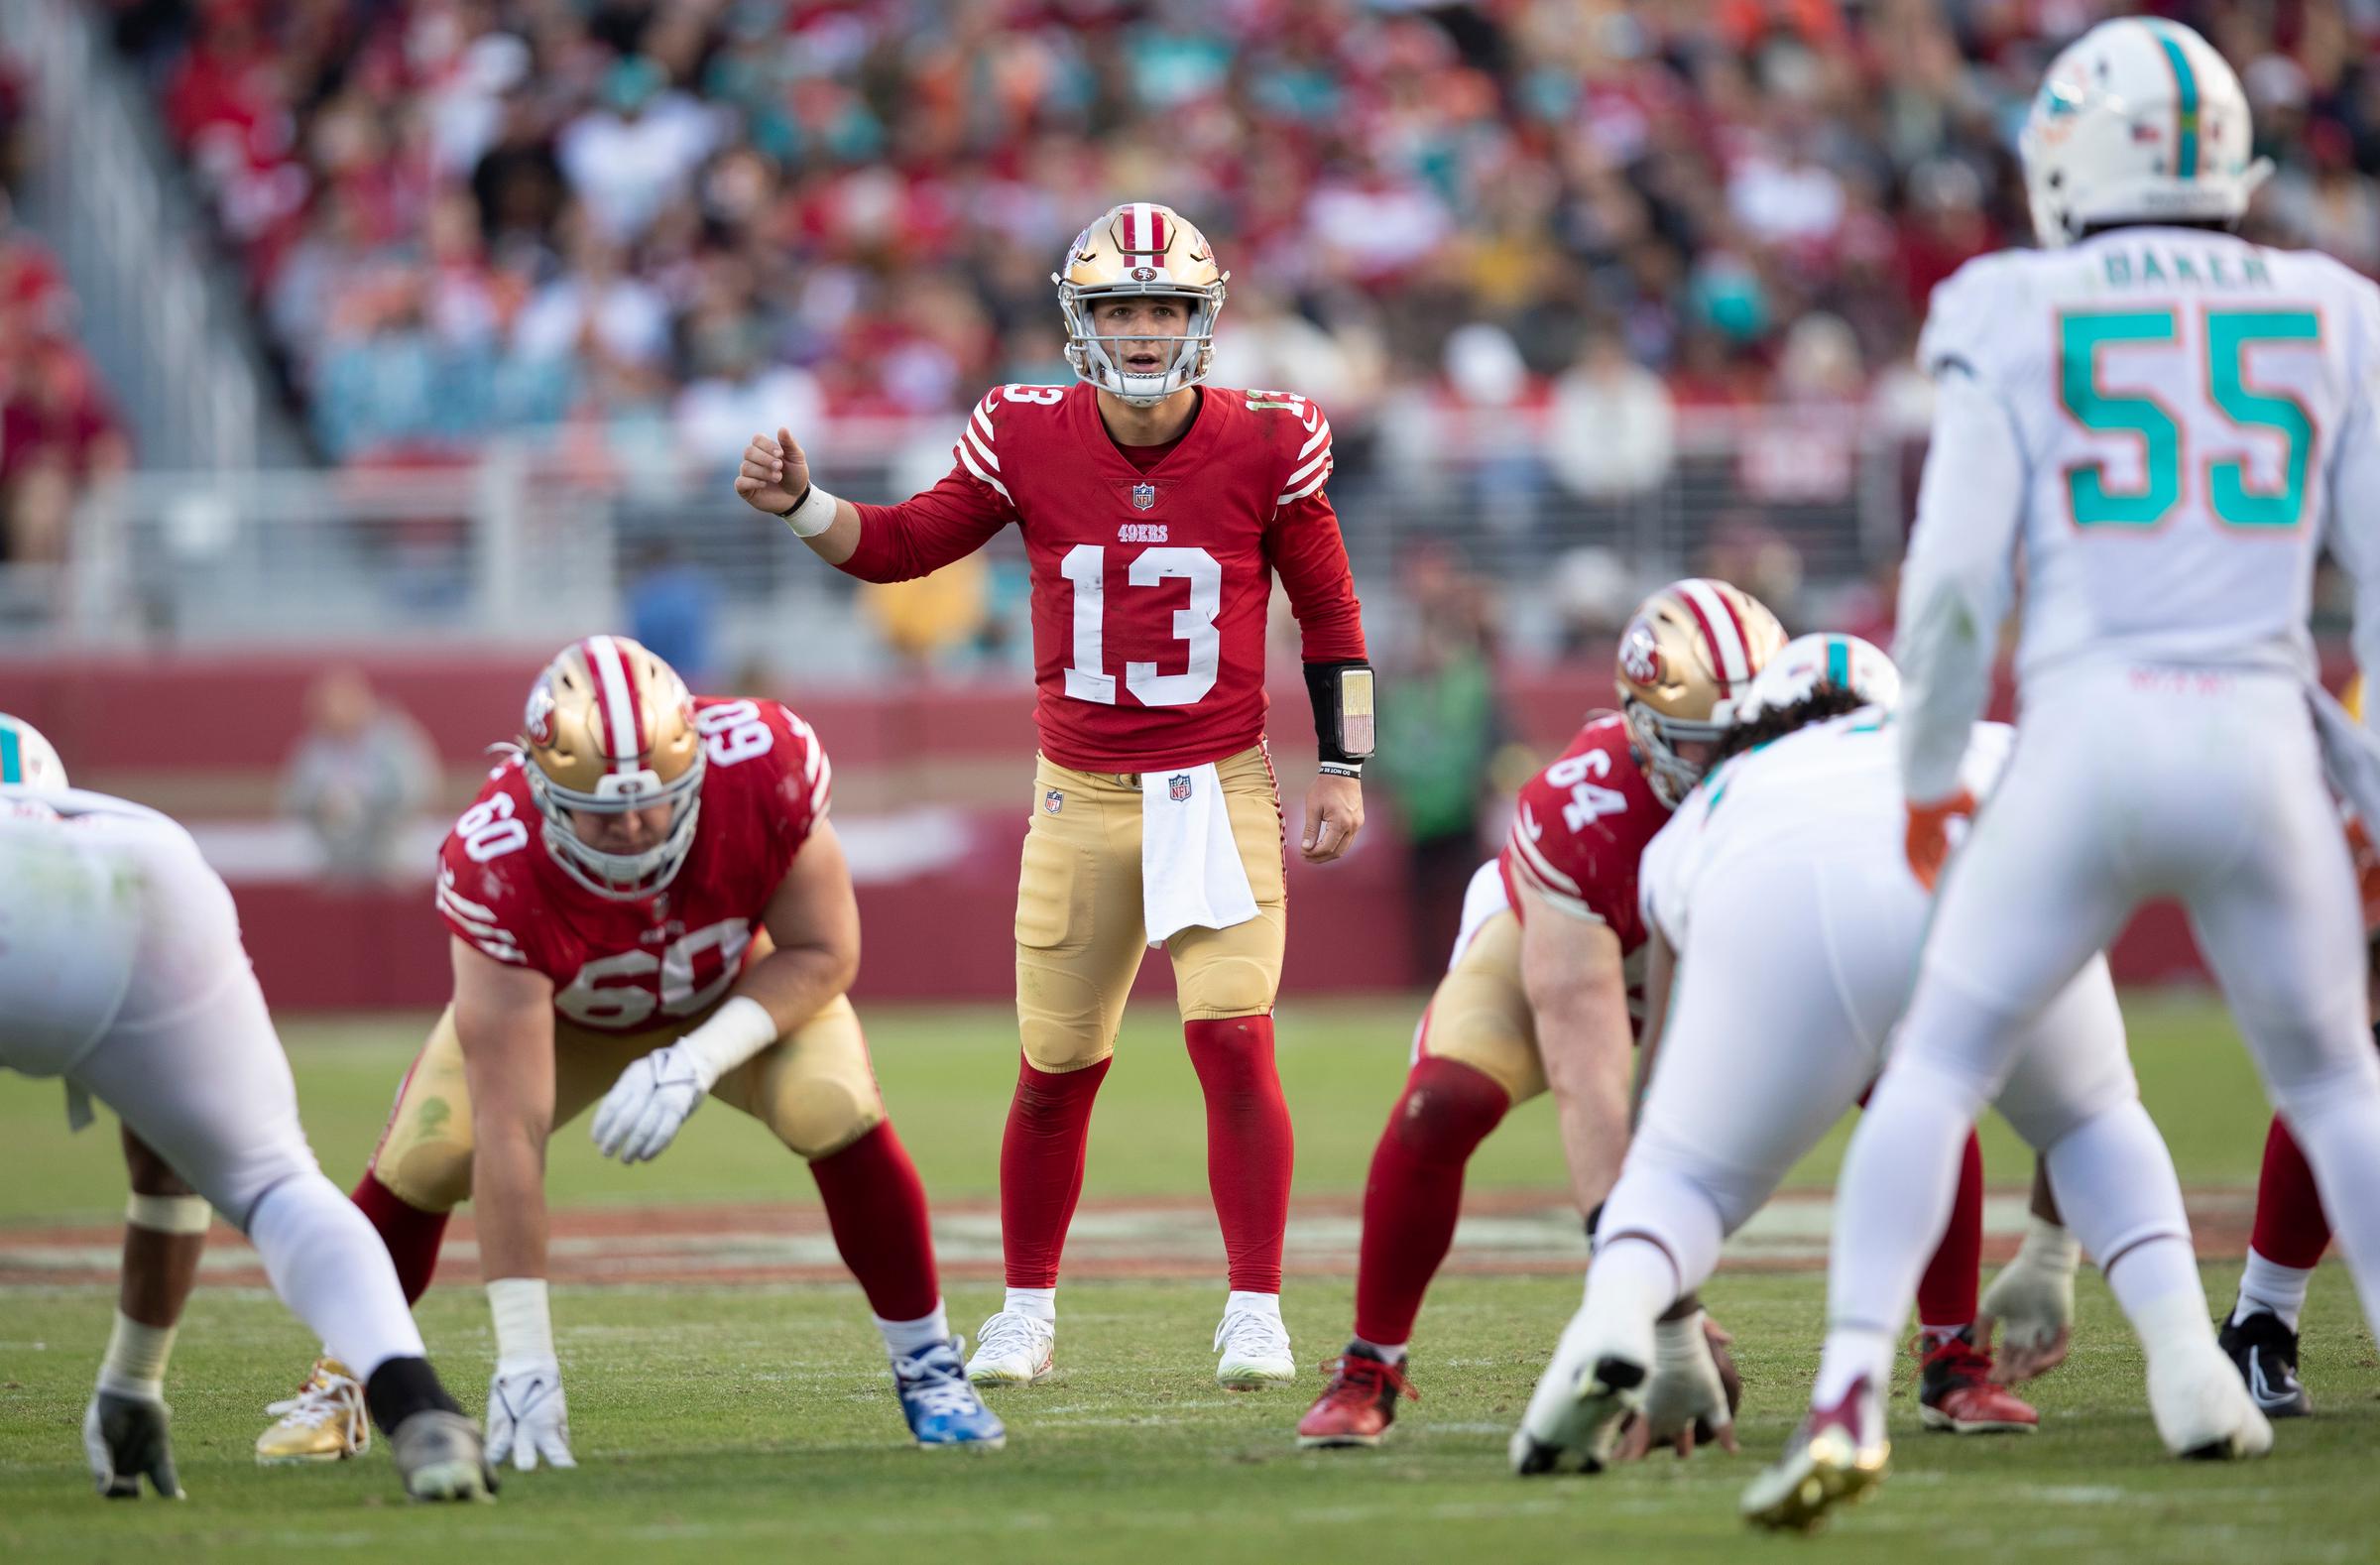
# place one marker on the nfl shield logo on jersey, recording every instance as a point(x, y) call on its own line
point(1145, 496)
point(1177, 788)
point(1053, 801)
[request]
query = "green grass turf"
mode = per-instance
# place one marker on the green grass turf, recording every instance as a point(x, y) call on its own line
point(946, 1075)
point(750, 1423)
point(757, 1423)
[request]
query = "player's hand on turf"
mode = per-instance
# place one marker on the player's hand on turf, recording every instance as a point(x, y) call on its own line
point(125, 1438)
point(1686, 1399)
point(775, 473)
point(528, 1420)
point(1334, 814)
point(640, 1117)
point(2032, 1301)
point(1929, 837)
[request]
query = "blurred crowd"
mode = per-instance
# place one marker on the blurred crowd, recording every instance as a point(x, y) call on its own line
point(656, 225)
point(59, 430)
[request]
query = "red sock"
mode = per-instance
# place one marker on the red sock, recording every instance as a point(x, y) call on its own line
point(1415, 1192)
point(1251, 1148)
point(412, 1235)
point(1946, 1294)
point(2292, 1229)
point(876, 1205)
point(1041, 1158)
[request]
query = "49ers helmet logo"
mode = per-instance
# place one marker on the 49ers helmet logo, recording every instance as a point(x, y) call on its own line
point(1641, 653)
point(537, 721)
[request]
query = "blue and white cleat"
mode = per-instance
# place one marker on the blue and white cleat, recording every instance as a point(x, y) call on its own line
point(939, 1402)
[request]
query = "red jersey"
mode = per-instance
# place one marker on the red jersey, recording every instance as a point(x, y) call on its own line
point(624, 965)
point(1580, 829)
point(1150, 589)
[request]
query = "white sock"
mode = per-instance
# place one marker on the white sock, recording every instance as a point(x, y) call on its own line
point(1385, 1352)
point(1894, 1194)
point(1850, 1353)
point(135, 1365)
point(1039, 1303)
point(1630, 1281)
point(1262, 1304)
point(1676, 1217)
point(2170, 1321)
point(329, 1266)
point(2272, 1288)
point(905, 1337)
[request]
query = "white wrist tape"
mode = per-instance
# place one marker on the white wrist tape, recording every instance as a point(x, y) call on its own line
point(524, 1322)
point(814, 515)
point(1679, 1342)
point(169, 1214)
point(136, 1358)
point(737, 1031)
point(2049, 1244)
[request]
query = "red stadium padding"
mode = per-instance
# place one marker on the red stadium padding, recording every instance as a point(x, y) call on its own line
point(322, 949)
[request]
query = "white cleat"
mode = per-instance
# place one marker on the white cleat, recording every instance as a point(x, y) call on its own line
point(2202, 1410)
point(1013, 1349)
point(1256, 1350)
point(1581, 1401)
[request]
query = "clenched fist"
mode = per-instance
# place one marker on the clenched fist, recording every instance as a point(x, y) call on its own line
point(775, 473)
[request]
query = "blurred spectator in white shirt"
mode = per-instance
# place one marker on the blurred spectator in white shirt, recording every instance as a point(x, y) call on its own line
point(360, 776)
point(1613, 430)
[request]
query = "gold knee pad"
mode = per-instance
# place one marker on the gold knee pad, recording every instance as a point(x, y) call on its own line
point(813, 1088)
point(1481, 1015)
point(1079, 930)
point(424, 1153)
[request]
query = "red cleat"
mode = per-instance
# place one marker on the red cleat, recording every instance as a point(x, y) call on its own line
point(1955, 1391)
point(1359, 1404)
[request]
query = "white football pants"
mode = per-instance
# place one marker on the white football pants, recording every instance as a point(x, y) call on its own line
point(2130, 782)
point(122, 969)
point(1786, 993)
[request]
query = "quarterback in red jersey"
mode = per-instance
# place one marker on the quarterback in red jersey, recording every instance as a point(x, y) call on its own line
point(1157, 511)
point(646, 898)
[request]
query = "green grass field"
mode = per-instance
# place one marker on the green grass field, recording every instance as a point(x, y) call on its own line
point(734, 1422)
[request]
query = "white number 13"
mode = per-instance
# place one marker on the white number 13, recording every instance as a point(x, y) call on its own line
point(1084, 567)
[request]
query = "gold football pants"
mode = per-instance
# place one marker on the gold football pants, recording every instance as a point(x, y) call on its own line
point(813, 1088)
point(1480, 1014)
point(1080, 933)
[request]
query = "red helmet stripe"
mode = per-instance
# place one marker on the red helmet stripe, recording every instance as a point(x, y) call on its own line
point(1156, 231)
point(1721, 630)
point(616, 701)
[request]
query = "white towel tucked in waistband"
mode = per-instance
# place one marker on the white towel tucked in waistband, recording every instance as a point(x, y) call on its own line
point(1191, 875)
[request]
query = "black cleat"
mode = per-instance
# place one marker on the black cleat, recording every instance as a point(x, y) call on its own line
point(2265, 1353)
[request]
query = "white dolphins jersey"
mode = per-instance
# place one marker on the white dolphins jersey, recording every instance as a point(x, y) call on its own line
point(1827, 793)
point(2167, 425)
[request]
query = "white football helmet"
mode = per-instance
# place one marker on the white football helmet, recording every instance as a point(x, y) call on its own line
point(27, 760)
point(1140, 248)
point(2138, 121)
point(1800, 666)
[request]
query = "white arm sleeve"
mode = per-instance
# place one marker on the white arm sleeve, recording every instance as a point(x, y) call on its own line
point(1959, 579)
point(2354, 508)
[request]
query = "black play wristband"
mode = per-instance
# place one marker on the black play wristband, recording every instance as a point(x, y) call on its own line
point(1342, 694)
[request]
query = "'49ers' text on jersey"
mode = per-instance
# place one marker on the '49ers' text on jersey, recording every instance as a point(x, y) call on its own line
point(629, 966)
point(1150, 589)
point(1580, 829)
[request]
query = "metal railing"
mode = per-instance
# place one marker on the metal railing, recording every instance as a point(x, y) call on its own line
point(525, 547)
point(165, 333)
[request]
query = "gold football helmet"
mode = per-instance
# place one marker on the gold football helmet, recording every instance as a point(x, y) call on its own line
point(1688, 657)
point(1139, 249)
point(610, 728)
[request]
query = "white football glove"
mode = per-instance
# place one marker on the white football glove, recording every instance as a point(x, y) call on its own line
point(1684, 1397)
point(2033, 1301)
point(527, 1416)
point(640, 1117)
